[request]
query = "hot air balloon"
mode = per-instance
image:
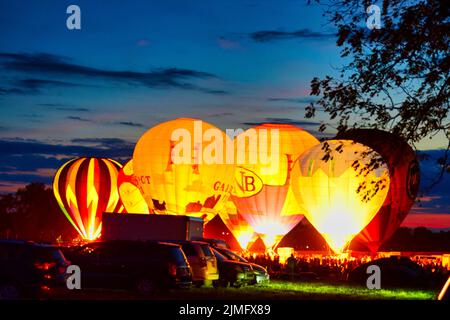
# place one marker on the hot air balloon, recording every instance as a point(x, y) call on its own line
point(262, 193)
point(404, 183)
point(339, 190)
point(129, 191)
point(182, 169)
point(237, 225)
point(84, 188)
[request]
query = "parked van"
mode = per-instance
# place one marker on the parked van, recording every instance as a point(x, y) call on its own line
point(202, 261)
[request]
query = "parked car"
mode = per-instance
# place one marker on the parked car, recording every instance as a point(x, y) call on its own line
point(261, 274)
point(28, 269)
point(202, 261)
point(215, 243)
point(140, 266)
point(396, 272)
point(233, 273)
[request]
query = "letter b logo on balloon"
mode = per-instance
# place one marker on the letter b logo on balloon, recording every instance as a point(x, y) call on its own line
point(247, 182)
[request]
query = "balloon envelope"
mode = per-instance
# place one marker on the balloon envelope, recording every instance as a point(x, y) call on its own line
point(84, 188)
point(339, 199)
point(129, 191)
point(262, 191)
point(180, 170)
point(404, 183)
point(237, 225)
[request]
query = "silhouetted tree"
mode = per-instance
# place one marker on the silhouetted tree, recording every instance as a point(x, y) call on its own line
point(32, 213)
point(418, 239)
point(397, 77)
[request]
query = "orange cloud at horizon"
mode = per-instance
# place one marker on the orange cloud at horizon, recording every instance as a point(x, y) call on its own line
point(428, 220)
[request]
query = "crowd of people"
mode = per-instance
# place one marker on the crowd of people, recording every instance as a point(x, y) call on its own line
point(329, 267)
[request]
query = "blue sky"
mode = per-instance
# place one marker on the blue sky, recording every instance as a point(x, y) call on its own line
point(222, 39)
point(94, 91)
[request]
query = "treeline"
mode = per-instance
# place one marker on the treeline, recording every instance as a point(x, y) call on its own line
point(32, 213)
point(418, 239)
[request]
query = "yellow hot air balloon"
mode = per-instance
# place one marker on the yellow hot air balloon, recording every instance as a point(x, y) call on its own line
point(84, 188)
point(182, 169)
point(262, 194)
point(341, 195)
point(129, 191)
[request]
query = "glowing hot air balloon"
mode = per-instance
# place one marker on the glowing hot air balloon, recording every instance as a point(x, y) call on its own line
point(262, 194)
point(84, 188)
point(181, 167)
point(404, 183)
point(238, 226)
point(342, 193)
point(129, 191)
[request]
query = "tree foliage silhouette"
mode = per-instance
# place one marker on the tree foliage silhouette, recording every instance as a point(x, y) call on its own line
point(32, 213)
point(397, 77)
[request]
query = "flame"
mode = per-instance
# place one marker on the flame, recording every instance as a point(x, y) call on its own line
point(244, 237)
point(271, 231)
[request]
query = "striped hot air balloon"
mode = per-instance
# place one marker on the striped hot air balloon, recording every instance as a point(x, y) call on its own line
point(84, 188)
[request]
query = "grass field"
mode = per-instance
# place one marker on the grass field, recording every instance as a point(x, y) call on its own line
point(275, 290)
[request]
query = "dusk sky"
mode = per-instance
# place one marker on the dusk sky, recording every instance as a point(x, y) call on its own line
point(133, 64)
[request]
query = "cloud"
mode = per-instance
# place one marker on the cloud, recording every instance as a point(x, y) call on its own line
point(301, 123)
point(37, 84)
point(24, 161)
point(116, 149)
point(48, 64)
point(130, 124)
point(73, 109)
point(214, 92)
point(51, 105)
point(63, 107)
point(104, 142)
point(79, 119)
point(220, 114)
point(6, 91)
point(275, 35)
point(302, 100)
point(34, 86)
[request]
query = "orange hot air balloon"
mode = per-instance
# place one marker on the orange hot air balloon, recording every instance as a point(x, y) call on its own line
point(84, 188)
point(339, 198)
point(404, 183)
point(129, 191)
point(182, 169)
point(262, 191)
point(237, 225)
